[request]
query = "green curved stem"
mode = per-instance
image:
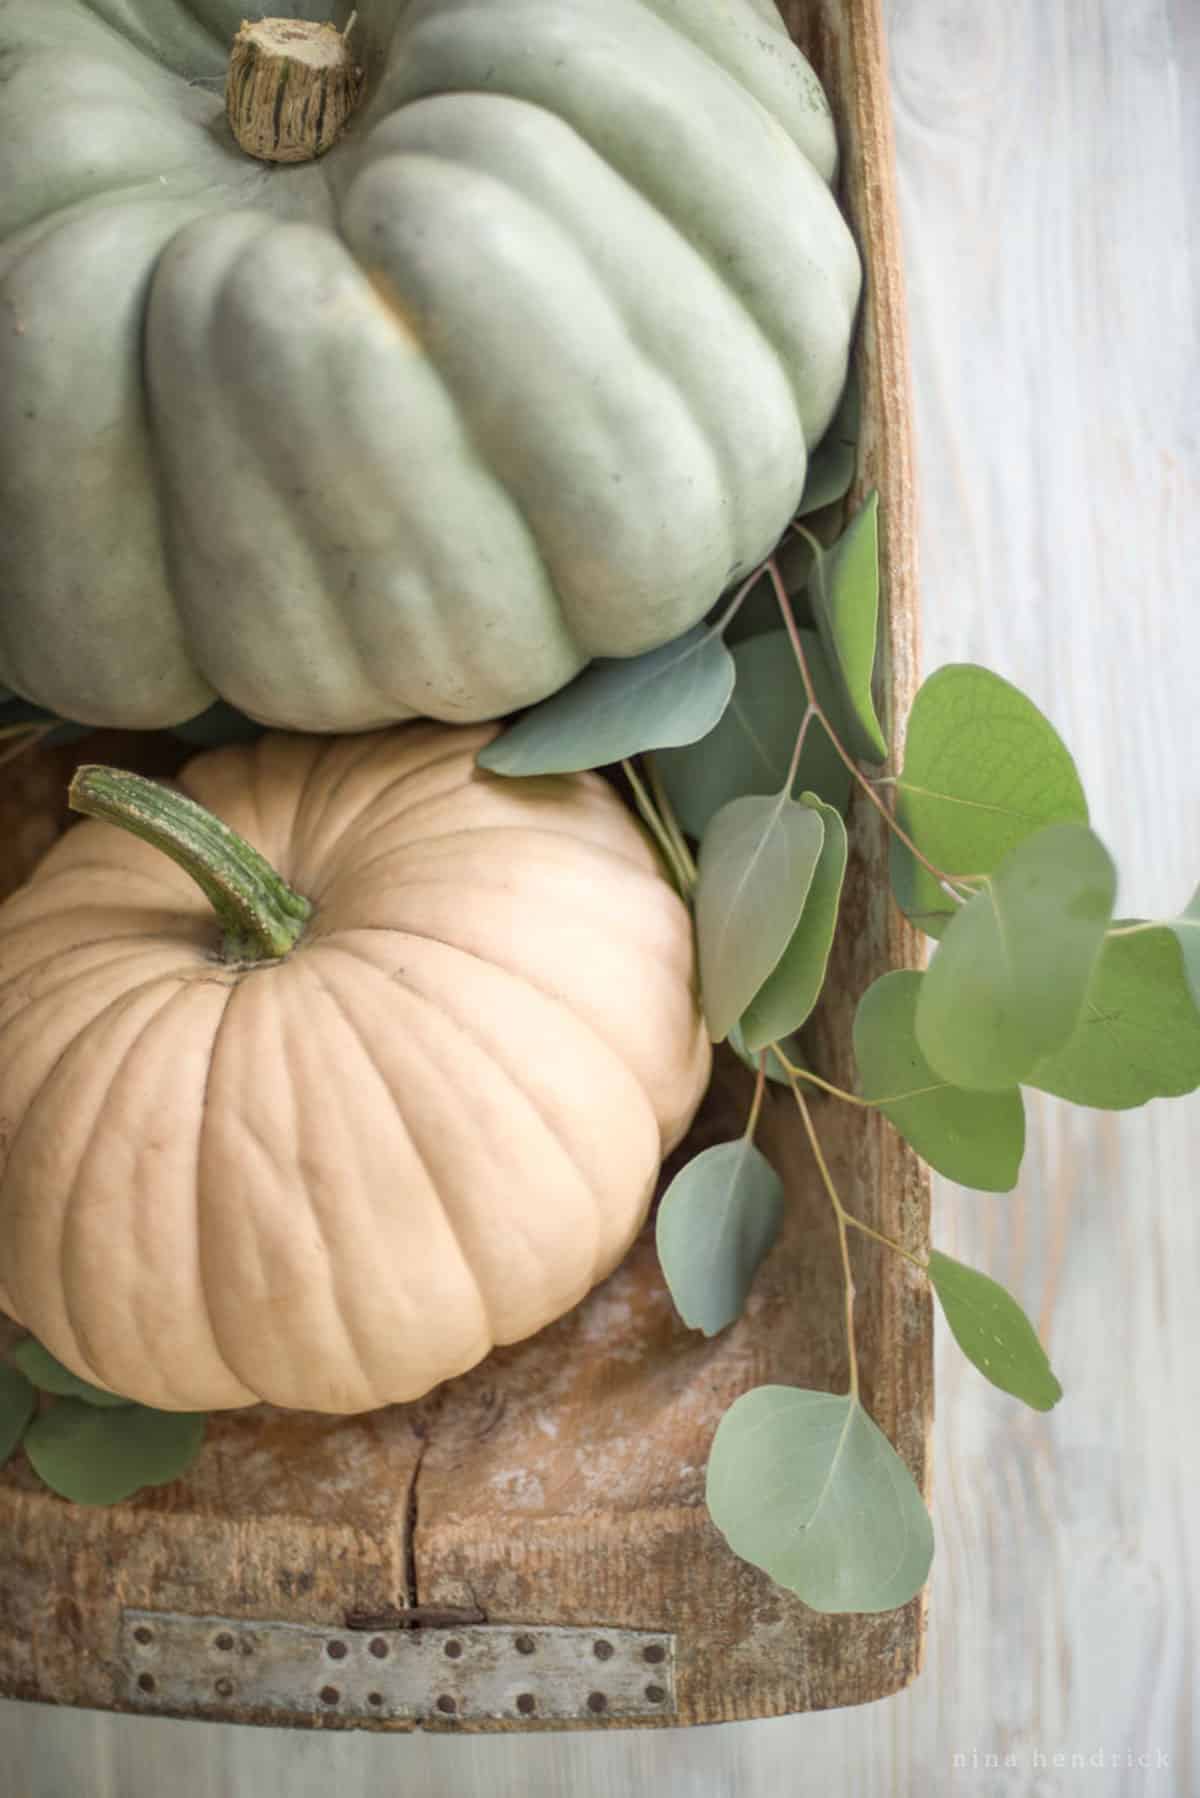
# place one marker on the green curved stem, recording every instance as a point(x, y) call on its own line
point(658, 830)
point(760, 1087)
point(743, 592)
point(887, 1242)
point(17, 738)
point(943, 879)
point(842, 1218)
point(670, 822)
point(838, 1092)
point(261, 917)
point(826, 1086)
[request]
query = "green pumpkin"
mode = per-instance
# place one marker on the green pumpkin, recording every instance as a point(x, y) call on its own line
point(524, 371)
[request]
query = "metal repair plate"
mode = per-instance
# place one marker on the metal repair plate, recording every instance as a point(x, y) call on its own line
point(514, 1672)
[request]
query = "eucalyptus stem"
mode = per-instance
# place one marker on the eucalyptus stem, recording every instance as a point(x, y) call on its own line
point(785, 606)
point(261, 917)
point(666, 812)
point(826, 1086)
point(842, 1216)
point(17, 738)
point(684, 880)
point(839, 1092)
point(760, 1087)
point(810, 713)
point(731, 611)
point(887, 1242)
point(845, 1217)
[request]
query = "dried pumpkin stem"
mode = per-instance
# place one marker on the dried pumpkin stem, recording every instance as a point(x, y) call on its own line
point(261, 917)
point(292, 86)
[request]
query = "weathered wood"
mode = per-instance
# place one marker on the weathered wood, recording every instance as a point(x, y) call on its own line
point(562, 1481)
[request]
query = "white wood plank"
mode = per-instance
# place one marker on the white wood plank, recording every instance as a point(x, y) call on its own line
point(1050, 176)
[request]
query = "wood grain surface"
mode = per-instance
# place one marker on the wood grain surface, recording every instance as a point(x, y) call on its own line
point(1049, 166)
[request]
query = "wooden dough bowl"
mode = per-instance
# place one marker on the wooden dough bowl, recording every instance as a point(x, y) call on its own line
point(491, 1536)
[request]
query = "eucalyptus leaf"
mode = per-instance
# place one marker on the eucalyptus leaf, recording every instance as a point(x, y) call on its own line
point(832, 465)
point(750, 750)
point(717, 1220)
point(845, 599)
point(49, 1375)
point(757, 862)
point(975, 1138)
point(616, 709)
point(993, 1332)
point(1187, 931)
point(1139, 1035)
point(787, 999)
point(1007, 983)
point(806, 1486)
point(776, 1071)
point(983, 770)
point(98, 1457)
point(18, 1402)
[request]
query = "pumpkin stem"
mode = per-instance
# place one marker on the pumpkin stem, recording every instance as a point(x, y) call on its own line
point(290, 88)
point(261, 916)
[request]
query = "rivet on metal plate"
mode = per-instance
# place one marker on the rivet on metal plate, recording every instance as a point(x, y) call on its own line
point(443, 1676)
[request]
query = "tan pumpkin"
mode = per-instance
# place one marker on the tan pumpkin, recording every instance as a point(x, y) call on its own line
point(333, 1178)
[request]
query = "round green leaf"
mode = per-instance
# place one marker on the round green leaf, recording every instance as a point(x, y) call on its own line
point(845, 600)
point(757, 861)
point(1139, 1035)
point(718, 1218)
point(993, 1332)
point(98, 1457)
point(49, 1375)
point(806, 1486)
point(975, 1138)
point(18, 1402)
point(617, 709)
point(983, 770)
point(750, 750)
point(790, 993)
point(1007, 982)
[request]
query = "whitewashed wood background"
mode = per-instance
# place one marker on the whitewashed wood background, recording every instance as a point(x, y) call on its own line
point(1049, 167)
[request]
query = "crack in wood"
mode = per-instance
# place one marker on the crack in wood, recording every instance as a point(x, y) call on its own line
point(411, 1517)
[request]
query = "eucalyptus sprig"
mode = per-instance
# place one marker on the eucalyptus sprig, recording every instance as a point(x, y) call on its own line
point(741, 744)
point(83, 1442)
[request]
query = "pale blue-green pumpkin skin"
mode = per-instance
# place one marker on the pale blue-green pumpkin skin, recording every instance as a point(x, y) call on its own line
point(524, 371)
